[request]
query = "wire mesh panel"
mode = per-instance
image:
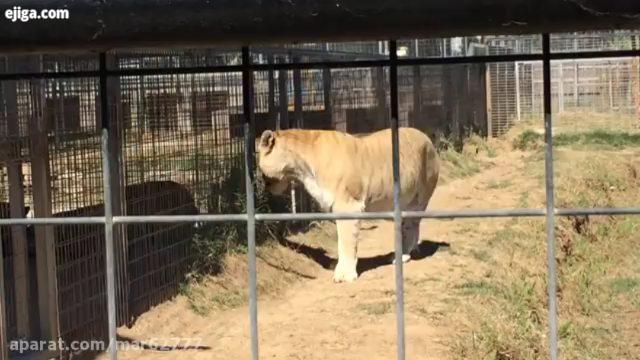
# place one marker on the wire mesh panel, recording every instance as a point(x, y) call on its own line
point(446, 102)
point(75, 185)
point(580, 87)
point(81, 278)
point(158, 254)
point(7, 258)
point(18, 251)
point(70, 112)
point(184, 129)
point(595, 41)
point(157, 58)
point(180, 141)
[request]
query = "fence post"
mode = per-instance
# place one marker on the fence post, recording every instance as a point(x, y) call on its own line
point(107, 161)
point(326, 91)
point(517, 71)
point(117, 128)
point(487, 85)
point(576, 93)
point(4, 341)
point(283, 99)
point(417, 95)
point(299, 123)
point(381, 93)
point(271, 89)
point(560, 88)
point(16, 201)
point(397, 211)
point(249, 129)
point(44, 235)
point(550, 207)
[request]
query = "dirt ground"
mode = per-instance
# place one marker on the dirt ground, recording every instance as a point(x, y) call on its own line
point(317, 319)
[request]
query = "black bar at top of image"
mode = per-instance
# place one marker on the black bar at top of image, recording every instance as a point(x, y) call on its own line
point(101, 25)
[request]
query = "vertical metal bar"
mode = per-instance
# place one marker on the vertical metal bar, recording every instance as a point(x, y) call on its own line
point(517, 72)
point(397, 211)
point(247, 103)
point(297, 96)
point(283, 99)
point(561, 88)
point(4, 341)
point(550, 216)
point(108, 212)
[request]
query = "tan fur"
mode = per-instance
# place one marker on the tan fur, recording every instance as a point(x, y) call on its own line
point(345, 173)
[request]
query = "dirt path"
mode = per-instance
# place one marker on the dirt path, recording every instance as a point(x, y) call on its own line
point(317, 319)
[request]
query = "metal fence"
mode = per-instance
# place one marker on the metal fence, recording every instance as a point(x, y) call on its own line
point(598, 85)
point(388, 71)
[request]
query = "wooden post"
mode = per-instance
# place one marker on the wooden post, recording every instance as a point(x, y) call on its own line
point(271, 84)
point(489, 103)
point(284, 122)
point(576, 94)
point(142, 127)
point(299, 123)
point(4, 341)
point(326, 89)
point(517, 72)
point(283, 100)
point(575, 84)
point(381, 94)
point(44, 235)
point(417, 96)
point(17, 210)
point(118, 196)
point(560, 88)
point(297, 97)
point(610, 76)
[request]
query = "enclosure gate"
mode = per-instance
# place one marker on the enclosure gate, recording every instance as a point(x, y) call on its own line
point(251, 217)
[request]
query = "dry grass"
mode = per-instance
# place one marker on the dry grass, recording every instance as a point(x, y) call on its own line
point(579, 121)
point(502, 312)
point(598, 266)
point(227, 288)
point(278, 268)
point(475, 156)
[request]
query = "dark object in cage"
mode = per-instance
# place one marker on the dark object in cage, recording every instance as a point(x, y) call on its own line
point(204, 104)
point(63, 114)
point(157, 258)
point(125, 109)
point(161, 111)
point(8, 254)
point(356, 125)
point(158, 254)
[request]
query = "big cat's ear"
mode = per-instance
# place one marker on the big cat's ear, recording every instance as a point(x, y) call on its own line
point(267, 140)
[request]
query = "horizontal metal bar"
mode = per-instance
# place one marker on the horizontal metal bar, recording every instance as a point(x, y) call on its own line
point(175, 70)
point(593, 54)
point(460, 214)
point(49, 75)
point(384, 215)
point(179, 218)
point(53, 221)
point(400, 62)
point(598, 211)
point(326, 216)
point(323, 65)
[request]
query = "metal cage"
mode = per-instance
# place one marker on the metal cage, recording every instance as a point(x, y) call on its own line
point(249, 73)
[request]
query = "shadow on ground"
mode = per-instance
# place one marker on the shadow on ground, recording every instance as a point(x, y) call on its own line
point(426, 248)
